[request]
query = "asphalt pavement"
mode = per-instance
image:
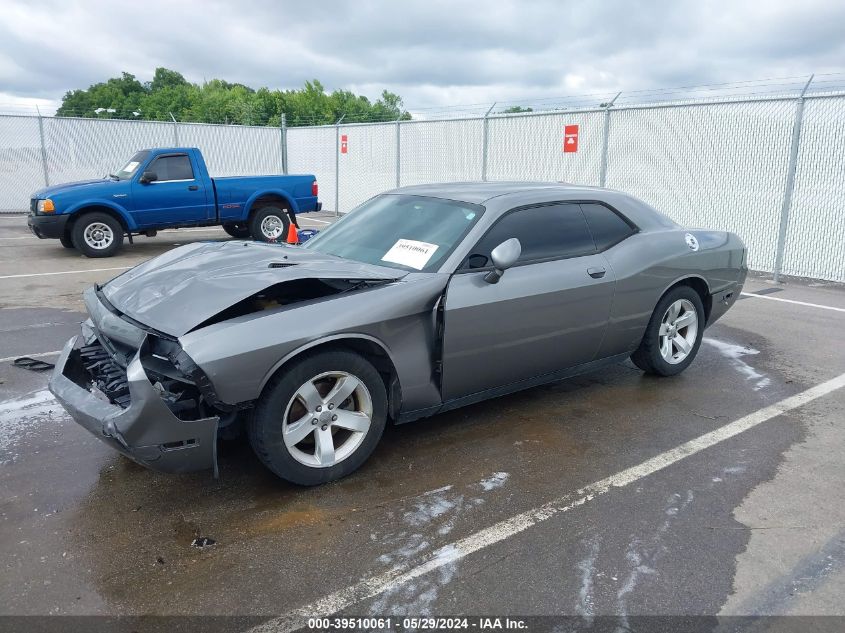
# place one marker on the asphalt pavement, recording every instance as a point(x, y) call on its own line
point(715, 492)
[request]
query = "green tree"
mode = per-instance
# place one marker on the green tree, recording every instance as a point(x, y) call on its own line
point(516, 110)
point(218, 101)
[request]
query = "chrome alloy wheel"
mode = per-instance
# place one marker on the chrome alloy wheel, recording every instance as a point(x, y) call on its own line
point(678, 331)
point(98, 235)
point(272, 227)
point(327, 419)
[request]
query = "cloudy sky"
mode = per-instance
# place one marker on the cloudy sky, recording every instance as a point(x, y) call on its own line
point(432, 53)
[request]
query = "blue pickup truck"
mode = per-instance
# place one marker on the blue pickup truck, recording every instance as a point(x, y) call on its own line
point(168, 188)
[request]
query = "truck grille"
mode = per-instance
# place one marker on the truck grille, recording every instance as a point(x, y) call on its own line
point(106, 375)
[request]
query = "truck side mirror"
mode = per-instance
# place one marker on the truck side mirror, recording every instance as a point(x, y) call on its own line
point(147, 177)
point(504, 256)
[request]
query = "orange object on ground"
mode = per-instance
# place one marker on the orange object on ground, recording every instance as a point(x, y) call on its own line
point(293, 236)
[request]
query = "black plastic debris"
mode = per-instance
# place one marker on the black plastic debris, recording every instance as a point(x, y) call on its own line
point(25, 362)
point(202, 541)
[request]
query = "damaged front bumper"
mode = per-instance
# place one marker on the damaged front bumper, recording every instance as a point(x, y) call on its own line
point(145, 429)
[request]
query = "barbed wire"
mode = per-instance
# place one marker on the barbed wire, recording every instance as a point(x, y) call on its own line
point(772, 87)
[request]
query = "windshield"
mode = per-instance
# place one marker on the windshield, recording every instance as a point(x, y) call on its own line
point(399, 231)
point(129, 169)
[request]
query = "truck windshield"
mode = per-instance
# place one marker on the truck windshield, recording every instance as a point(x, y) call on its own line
point(129, 169)
point(400, 231)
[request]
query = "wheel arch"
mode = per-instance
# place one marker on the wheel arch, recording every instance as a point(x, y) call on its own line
point(367, 346)
point(98, 207)
point(701, 287)
point(274, 195)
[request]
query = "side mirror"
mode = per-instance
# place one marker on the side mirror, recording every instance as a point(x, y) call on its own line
point(147, 177)
point(504, 256)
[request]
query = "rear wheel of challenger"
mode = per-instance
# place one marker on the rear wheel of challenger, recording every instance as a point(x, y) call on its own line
point(270, 224)
point(238, 230)
point(673, 335)
point(66, 241)
point(320, 419)
point(97, 235)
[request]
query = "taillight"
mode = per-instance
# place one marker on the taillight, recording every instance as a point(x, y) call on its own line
point(314, 188)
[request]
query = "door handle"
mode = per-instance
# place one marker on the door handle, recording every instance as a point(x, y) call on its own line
point(192, 187)
point(596, 272)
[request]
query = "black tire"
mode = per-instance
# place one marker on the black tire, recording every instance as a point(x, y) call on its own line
point(77, 235)
point(265, 428)
point(239, 231)
point(648, 356)
point(258, 220)
point(66, 241)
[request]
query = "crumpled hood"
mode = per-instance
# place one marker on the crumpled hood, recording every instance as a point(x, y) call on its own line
point(176, 291)
point(69, 186)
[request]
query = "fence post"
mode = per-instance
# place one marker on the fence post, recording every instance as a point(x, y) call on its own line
point(398, 151)
point(337, 166)
point(43, 148)
point(790, 180)
point(604, 141)
point(484, 142)
point(175, 130)
point(283, 139)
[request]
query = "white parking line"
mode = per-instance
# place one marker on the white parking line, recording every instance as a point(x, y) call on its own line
point(39, 355)
point(301, 219)
point(800, 303)
point(375, 585)
point(65, 272)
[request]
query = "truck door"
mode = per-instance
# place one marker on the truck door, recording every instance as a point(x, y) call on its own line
point(177, 195)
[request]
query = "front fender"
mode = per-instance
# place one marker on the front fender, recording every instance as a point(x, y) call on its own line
point(128, 221)
point(294, 208)
point(345, 336)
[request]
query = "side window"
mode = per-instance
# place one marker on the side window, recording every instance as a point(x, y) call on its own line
point(605, 225)
point(544, 232)
point(172, 168)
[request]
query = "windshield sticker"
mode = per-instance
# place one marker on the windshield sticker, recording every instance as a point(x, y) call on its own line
point(410, 253)
point(131, 167)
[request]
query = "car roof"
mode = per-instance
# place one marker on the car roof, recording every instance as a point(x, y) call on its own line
point(500, 196)
point(480, 192)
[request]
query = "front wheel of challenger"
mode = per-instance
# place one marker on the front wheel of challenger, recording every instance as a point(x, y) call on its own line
point(673, 335)
point(320, 419)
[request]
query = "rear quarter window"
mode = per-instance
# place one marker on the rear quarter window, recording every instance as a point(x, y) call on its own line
point(607, 227)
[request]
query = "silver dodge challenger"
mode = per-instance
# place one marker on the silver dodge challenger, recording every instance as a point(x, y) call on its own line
point(421, 300)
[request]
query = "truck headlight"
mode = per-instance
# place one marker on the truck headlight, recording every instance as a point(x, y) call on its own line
point(46, 206)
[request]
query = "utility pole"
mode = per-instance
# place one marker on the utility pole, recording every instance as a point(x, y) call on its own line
point(283, 139)
point(603, 168)
point(484, 143)
point(175, 130)
point(398, 151)
point(790, 180)
point(43, 147)
point(337, 166)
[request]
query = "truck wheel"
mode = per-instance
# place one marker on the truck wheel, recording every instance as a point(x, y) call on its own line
point(97, 235)
point(320, 419)
point(66, 241)
point(270, 224)
point(240, 231)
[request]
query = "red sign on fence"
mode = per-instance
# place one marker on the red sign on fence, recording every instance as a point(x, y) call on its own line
point(344, 146)
point(570, 138)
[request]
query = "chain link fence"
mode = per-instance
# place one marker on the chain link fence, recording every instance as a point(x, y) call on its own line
point(39, 151)
point(767, 168)
point(764, 168)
